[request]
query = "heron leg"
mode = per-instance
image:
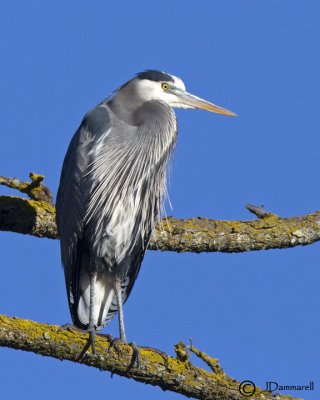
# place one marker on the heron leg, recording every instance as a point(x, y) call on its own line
point(120, 311)
point(91, 327)
point(136, 358)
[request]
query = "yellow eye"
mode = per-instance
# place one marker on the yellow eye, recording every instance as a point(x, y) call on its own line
point(165, 86)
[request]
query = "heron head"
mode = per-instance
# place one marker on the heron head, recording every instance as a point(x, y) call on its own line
point(169, 89)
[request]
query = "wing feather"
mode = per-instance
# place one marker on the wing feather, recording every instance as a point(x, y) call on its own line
point(73, 197)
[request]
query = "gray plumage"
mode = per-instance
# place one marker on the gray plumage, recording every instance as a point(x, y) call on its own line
point(112, 185)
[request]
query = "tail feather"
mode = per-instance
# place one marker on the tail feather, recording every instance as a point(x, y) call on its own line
point(105, 301)
point(103, 297)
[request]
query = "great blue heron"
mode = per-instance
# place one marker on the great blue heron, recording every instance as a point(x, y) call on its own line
point(111, 190)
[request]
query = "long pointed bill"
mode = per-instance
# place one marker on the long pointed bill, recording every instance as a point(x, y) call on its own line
point(189, 100)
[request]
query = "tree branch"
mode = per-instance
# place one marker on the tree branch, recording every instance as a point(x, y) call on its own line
point(157, 368)
point(37, 217)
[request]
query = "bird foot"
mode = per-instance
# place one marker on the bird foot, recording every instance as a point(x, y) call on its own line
point(136, 356)
point(115, 344)
point(70, 327)
point(106, 335)
point(91, 330)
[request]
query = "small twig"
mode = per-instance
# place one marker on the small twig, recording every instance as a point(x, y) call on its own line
point(257, 210)
point(34, 189)
point(212, 363)
point(181, 351)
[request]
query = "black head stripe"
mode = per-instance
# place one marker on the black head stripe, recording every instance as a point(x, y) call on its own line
point(154, 75)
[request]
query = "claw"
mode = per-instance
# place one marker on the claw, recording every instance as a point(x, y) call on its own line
point(70, 327)
point(136, 356)
point(106, 335)
point(114, 344)
point(91, 341)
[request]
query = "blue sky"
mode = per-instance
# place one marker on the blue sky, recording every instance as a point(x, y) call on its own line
point(257, 312)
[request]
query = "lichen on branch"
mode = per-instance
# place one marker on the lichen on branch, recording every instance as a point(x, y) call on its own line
point(34, 189)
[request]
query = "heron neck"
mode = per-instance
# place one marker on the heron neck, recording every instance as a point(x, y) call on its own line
point(124, 105)
point(141, 113)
